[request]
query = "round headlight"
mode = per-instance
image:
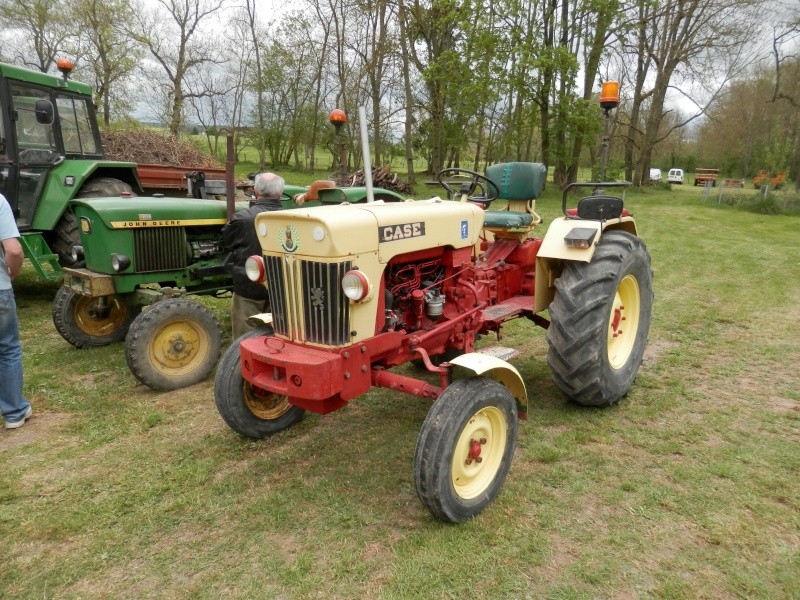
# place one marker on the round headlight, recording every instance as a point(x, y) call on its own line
point(120, 262)
point(254, 268)
point(355, 285)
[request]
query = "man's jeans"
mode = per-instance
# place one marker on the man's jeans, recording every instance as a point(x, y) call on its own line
point(12, 404)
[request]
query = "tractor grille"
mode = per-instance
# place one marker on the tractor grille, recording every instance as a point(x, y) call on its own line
point(160, 249)
point(307, 300)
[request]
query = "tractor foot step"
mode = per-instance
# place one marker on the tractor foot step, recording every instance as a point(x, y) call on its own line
point(499, 352)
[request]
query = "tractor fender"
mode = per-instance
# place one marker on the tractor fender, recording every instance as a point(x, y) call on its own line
point(553, 252)
point(499, 370)
point(553, 245)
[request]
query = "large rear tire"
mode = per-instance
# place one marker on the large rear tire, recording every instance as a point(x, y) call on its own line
point(66, 234)
point(250, 411)
point(599, 321)
point(173, 343)
point(465, 448)
point(65, 237)
point(90, 322)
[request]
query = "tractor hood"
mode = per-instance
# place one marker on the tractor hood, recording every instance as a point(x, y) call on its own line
point(386, 229)
point(141, 212)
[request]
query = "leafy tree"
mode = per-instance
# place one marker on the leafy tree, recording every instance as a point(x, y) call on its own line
point(37, 30)
point(110, 55)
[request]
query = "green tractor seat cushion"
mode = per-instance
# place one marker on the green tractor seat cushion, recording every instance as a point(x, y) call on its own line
point(518, 180)
point(503, 219)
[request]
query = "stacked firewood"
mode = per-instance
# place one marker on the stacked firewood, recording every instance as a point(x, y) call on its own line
point(382, 177)
point(146, 146)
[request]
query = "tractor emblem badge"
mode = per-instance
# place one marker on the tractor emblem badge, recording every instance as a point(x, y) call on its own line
point(289, 238)
point(317, 297)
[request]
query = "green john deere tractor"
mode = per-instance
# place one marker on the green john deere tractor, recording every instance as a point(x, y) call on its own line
point(50, 154)
point(81, 220)
point(152, 252)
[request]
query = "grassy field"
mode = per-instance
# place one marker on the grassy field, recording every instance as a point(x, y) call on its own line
point(689, 488)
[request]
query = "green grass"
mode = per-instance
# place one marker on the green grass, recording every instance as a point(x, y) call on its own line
point(689, 488)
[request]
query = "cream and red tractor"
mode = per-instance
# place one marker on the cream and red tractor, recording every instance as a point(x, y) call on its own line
point(357, 290)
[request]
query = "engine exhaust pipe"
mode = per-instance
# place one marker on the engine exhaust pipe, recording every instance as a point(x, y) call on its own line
point(362, 118)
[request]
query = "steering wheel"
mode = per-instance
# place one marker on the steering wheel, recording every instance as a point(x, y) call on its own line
point(472, 186)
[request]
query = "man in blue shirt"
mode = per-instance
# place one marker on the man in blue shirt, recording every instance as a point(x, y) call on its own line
point(15, 409)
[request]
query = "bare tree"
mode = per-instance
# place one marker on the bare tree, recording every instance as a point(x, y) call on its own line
point(256, 35)
point(373, 44)
point(171, 33)
point(408, 95)
point(786, 56)
point(679, 41)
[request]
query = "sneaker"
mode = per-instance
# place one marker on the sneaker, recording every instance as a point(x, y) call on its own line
point(16, 424)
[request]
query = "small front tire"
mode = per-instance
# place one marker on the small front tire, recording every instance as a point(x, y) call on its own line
point(465, 448)
point(250, 411)
point(90, 322)
point(173, 343)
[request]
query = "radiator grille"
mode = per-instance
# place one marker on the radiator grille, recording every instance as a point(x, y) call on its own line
point(277, 294)
point(160, 249)
point(307, 301)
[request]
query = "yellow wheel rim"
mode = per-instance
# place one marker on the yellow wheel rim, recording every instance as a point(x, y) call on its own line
point(479, 452)
point(263, 404)
point(96, 321)
point(178, 348)
point(624, 321)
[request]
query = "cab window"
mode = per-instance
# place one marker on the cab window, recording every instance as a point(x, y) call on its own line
point(76, 126)
point(32, 136)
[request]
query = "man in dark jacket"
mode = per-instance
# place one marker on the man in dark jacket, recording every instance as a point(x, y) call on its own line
point(239, 236)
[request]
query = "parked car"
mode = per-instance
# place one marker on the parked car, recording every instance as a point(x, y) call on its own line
point(655, 174)
point(675, 176)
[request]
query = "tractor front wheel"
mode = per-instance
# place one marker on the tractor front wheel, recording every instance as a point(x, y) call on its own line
point(248, 410)
point(465, 448)
point(599, 321)
point(90, 322)
point(173, 343)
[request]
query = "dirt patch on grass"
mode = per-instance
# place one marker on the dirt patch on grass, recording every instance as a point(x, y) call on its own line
point(783, 405)
point(656, 348)
point(37, 427)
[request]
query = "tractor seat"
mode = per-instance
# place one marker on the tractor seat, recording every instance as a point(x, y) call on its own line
point(573, 212)
point(503, 219)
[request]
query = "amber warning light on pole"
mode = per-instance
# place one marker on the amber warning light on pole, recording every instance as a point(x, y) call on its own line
point(609, 95)
point(65, 65)
point(337, 117)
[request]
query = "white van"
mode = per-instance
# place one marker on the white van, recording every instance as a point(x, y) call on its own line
point(655, 174)
point(675, 176)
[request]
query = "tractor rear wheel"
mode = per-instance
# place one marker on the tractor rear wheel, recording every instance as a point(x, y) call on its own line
point(248, 410)
point(90, 322)
point(66, 234)
point(65, 237)
point(173, 343)
point(599, 321)
point(465, 448)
